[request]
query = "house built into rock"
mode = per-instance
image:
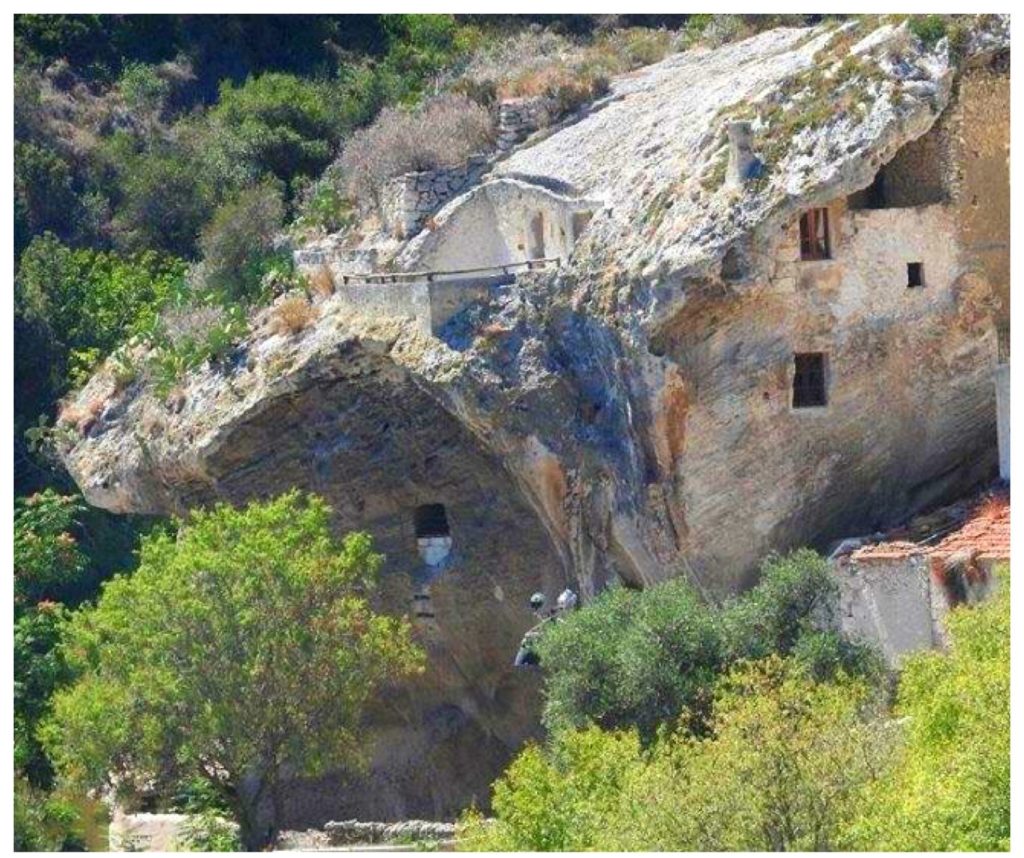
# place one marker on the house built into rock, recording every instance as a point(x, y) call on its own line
point(724, 361)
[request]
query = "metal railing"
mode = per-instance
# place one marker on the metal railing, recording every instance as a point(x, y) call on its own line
point(430, 276)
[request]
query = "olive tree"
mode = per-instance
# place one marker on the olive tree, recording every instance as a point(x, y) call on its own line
point(242, 652)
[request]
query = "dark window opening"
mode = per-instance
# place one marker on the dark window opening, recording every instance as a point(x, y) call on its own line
point(537, 236)
point(580, 221)
point(915, 274)
point(809, 380)
point(815, 241)
point(431, 520)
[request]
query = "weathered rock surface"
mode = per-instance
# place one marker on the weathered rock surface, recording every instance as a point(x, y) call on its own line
point(629, 417)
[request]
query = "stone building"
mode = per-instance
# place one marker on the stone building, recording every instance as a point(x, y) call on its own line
point(722, 364)
point(896, 591)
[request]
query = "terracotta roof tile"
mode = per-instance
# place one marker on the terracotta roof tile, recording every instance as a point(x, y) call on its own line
point(982, 525)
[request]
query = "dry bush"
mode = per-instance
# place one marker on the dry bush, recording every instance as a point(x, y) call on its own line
point(572, 75)
point(82, 416)
point(321, 283)
point(443, 132)
point(291, 315)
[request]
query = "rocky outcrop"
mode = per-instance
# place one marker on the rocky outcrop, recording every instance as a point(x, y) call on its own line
point(629, 416)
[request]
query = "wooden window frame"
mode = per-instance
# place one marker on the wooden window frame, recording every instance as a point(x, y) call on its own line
point(815, 235)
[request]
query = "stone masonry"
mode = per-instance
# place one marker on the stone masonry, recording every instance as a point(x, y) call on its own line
point(407, 201)
point(520, 117)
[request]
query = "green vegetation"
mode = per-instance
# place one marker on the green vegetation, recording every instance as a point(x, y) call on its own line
point(639, 659)
point(243, 646)
point(949, 789)
point(787, 757)
point(160, 162)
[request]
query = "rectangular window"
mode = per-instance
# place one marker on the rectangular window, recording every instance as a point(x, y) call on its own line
point(815, 242)
point(915, 274)
point(809, 380)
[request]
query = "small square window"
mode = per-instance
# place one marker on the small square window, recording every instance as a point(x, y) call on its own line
point(915, 274)
point(809, 380)
point(815, 241)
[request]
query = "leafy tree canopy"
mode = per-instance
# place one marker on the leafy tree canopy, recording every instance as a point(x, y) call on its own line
point(640, 658)
point(244, 651)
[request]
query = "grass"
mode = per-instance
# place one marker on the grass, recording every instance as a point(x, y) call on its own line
point(292, 315)
point(321, 283)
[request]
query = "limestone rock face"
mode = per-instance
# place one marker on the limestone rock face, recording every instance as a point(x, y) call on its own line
point(629, 416)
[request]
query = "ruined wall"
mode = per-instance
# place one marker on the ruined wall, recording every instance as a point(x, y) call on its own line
point(891, 603)
point(520, 117)
point(409, 200)
point(980, 126)
point(499, 223)
point(910, 418)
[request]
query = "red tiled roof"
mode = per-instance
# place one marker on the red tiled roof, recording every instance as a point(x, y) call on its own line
point(984, 529)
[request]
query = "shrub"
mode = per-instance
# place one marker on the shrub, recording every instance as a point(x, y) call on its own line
point(556, 799)
point(189, 335)
point(209, 832)
point(164, 200)
point(278, 124)
point(43, 822)
point(930, 29)
point(143, 88)
point(444, 131)
point(784, 766)
point(292, 315)
point(43, 189)
point(324, 205)
point(782, 770)
point(238, 244)
point(641, 658)
point(949, 789)
point(321, 283)
point(91, 301)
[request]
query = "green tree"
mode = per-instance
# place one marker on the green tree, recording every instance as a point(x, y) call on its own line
point(239, 243)
point(631, 659)
point(47, 555)
point(39, 669)
point(277, 124)
point(243, 652)
point(782, 770)
point(638, 659)
point(89, 301)
point(783, 767)
point(950, 787)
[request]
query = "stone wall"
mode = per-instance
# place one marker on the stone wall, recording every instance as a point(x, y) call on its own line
point(431, 303)
point(1002, 379)
point(520, 117)
point(407, 201)
point(910, 419)
point(892, 603)
point(499, 223)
